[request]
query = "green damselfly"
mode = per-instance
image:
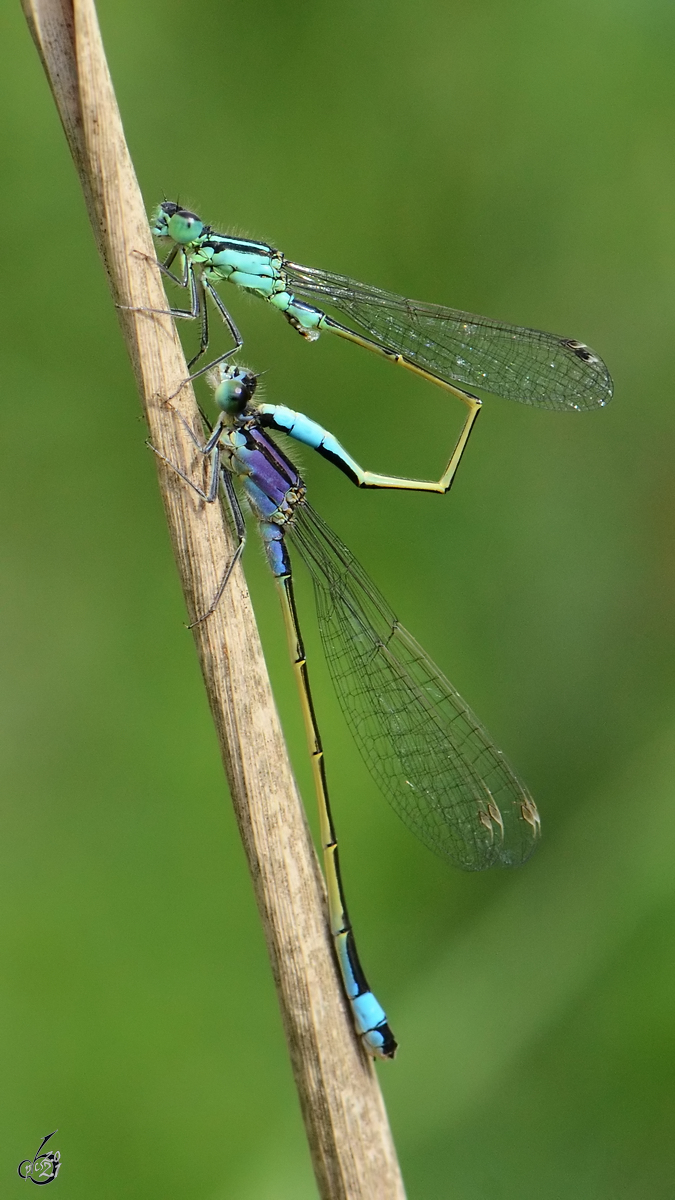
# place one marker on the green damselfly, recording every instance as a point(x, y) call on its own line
point(445, 345)
point(429, 754)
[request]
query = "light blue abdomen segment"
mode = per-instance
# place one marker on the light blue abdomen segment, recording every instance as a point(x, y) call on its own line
point(296, 424)
point(281, 300)
point(305, 315)
point(310, 433)
point(379, 1043)
point(369, 1015)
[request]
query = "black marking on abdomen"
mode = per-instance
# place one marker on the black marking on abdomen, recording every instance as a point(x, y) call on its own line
point(338, 462)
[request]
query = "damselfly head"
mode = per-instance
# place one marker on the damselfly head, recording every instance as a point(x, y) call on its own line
point(159, 221)
point(171, 221)
point(233, 386)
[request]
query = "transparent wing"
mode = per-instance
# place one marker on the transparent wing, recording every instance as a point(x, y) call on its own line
point(426, 750)
point(519, 364)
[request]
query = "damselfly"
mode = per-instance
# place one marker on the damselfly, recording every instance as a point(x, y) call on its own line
point(444, 345)
point(430, 755)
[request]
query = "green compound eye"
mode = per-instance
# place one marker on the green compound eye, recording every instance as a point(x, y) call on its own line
point(235, 390)
point(231, 397)
point(184, 227)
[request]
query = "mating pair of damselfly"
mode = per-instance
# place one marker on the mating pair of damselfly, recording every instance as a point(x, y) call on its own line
point(430, 755)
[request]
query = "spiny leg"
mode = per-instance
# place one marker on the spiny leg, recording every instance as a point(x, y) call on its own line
point(234, 332)
point(218, 474)
point(188, 280)
point(199, 300)
point(212, 493)
point(165, 266)
point(198, 288)
point(240, 530)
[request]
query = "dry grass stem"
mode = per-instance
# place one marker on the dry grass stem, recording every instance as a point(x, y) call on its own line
point(344, 1115)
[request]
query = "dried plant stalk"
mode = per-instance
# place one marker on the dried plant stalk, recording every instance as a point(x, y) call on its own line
point(345, 1119)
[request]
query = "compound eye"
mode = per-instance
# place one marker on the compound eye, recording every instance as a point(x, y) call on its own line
point(185, 226)
point(231, 397)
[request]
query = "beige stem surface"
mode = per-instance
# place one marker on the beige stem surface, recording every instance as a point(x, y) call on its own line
point(345, 1119)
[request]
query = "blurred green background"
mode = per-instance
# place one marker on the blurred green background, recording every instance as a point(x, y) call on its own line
point(512, 159)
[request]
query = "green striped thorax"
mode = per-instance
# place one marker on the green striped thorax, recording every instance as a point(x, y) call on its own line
point(252, 266)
